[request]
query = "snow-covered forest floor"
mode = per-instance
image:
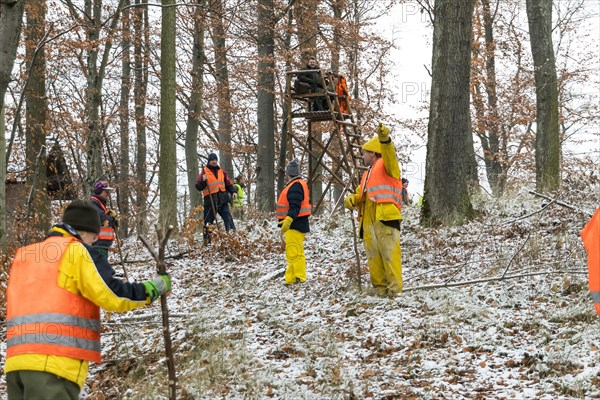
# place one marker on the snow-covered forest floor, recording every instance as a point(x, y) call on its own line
point(239, 333)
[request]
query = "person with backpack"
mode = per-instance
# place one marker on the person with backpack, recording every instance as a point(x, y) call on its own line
point(216, 188)
point(378, 199)
point(293, 209)
point(55, 291)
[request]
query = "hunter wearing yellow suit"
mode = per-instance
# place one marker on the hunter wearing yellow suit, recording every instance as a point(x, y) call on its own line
point(378, 199)
point(55, 290)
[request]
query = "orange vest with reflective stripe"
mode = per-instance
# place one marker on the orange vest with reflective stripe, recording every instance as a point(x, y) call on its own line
point(213, 184)
point(106, 232)
point(283, 206)
point(43, 318)
point(380, 187)
point(591, 241)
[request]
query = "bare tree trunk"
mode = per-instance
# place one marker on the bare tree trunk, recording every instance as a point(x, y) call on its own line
point(36, 115)
point(124, 175)
point(307, 25)
point(337, 7)
point(265, 174)
point(2, 184)
point(140, 56)
point(446, 198)
point(547, 141)
point(195, 105)
point(11, 19)
point(223, 90)
point(167, 173)
point(495, 160)
point(284, 110)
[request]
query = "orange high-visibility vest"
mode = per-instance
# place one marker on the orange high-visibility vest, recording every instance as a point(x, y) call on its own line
point(106, 232)
point(380, 187)
point(43, 318)
point(214, 184)
point(283, 206)
point(342, 91)
point(591, 241)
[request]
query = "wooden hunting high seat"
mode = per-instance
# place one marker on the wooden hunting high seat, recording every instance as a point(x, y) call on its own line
point(339, 155)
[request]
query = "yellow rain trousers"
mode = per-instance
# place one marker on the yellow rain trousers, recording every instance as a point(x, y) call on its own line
point(294, 255)
point(382, 245)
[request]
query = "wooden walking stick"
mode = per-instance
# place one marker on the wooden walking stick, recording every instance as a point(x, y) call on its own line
point(162, 269)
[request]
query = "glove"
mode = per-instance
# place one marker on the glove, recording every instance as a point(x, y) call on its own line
point(285, 224)
point(350, 202)
point(159, 286)
point(115, 216)
point(383, 132)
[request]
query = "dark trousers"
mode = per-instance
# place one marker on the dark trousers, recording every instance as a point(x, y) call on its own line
point(223, 211)
point(23, 385)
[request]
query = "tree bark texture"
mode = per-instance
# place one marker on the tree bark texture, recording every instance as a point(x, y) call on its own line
point(140, 85)
point(446, 198)
point(167, 173)
point(223, 90)
point(93, 94)
point(195, 104)
point(265, 171)
point(547, 141)
point(36, 118)
point(124, 159)
point(11, 19)
point(2, 184)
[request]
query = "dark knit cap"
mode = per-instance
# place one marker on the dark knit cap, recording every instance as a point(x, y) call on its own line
point(293, 168)
point(82, 215)
point(212, 156)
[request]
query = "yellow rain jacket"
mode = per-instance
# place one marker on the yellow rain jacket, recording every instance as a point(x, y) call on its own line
point(381, 241)
point(83, 272)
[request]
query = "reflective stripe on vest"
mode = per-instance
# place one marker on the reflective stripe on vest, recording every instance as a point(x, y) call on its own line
point(283, 206)
point(214, 184)
point(43, 318)
point(106, 233)
point(380, 187)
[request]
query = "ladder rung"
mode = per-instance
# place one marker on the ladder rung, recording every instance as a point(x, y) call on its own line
point(346, 123)
point(356, 146)
point(314, 115)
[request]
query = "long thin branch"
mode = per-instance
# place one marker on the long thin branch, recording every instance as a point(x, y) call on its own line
point(476, 281)
point(561, 203)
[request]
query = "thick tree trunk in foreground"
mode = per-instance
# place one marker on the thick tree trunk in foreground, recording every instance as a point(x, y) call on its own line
point(446, 198)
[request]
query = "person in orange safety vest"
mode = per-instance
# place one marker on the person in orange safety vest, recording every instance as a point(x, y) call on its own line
point(55, 290)
point(218, 192)
point(293, 209)
point(378, 199)
point(109, 218)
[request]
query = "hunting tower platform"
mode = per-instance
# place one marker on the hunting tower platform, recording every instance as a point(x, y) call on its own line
point(332, 140)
